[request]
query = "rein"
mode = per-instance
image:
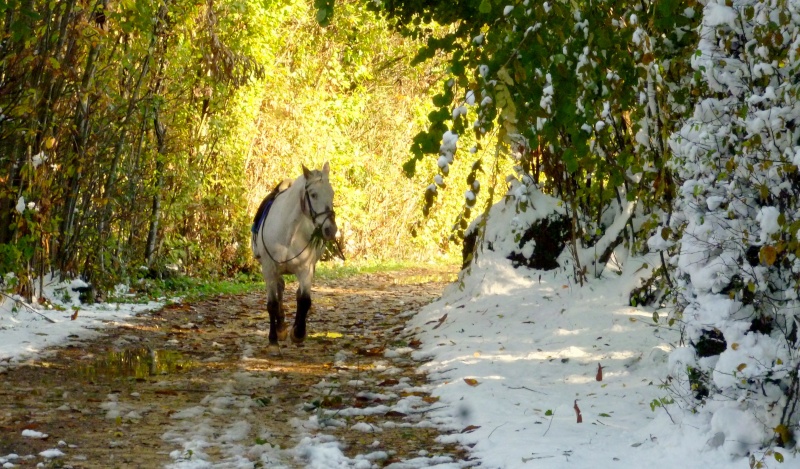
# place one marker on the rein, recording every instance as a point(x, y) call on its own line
point(315, 235)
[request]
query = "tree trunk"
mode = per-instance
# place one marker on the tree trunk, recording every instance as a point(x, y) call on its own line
point(152, 234)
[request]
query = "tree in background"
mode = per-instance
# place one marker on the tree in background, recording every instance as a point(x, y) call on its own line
point(138, 136)
point(576, 96)
point(347, 94)
point(106, 111)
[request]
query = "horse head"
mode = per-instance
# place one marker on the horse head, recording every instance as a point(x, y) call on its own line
point(318, 200)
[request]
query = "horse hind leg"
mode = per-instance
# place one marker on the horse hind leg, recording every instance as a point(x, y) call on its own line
point(282, 330)
point(277, 324)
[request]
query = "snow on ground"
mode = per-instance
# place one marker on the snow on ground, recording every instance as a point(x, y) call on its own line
point(511, 354)
point(519, 356)
point(26, 330)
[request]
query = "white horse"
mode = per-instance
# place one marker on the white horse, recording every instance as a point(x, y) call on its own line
point(288, 235)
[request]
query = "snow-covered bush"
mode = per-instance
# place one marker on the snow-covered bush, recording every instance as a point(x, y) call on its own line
point(526, 226)
point(736, 161)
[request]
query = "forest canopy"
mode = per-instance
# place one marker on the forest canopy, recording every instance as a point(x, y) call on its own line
point(140, 135)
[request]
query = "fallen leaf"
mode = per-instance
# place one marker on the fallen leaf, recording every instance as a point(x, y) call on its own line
point(470, 428)
point(578, 411)
point(472, 382)
point(394, 413)
point(74, 315)
point(415, 343)
point(441, 321)
point(371, 352)
point(599, 376)
point(389, 382)
point(430, 399)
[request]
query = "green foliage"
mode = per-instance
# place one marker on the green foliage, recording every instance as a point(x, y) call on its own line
point(324, 11)
point(145, 133)
point(578, 98)
point(661, 402)
point(192, 289)
point(346, 94)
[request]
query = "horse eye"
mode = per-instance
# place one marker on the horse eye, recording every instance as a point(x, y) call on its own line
point(314, 196)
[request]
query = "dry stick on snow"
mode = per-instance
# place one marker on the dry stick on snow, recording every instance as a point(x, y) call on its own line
point(527, 389)
point(31, 308)
point(495, 428)
point(552, 416)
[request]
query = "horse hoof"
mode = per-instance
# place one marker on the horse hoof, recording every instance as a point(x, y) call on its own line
point(297, 340)
point(282, 334)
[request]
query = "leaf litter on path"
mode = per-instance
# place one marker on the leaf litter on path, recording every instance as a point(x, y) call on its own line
point(195, 384)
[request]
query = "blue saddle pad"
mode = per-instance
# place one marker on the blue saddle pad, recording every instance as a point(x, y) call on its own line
point(261, 214)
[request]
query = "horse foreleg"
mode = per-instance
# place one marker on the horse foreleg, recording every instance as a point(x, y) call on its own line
point(273, 308)
point(281, 326)
point(303, 306)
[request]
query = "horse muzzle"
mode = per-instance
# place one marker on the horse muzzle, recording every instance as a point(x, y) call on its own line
point(329, 228)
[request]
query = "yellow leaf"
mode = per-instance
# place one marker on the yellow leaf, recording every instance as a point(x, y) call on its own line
point(472, 382)
point(767, 255)
point(735, 346)
point(741, 366)
point(784, 433)
point(504, 75)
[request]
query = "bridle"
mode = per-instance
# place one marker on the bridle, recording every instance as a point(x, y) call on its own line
point(316, 234)
point(314, 214)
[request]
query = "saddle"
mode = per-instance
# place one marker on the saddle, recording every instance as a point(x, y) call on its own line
point(263, 209)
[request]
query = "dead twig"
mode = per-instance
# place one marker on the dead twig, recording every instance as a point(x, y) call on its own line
point(31, 308)
point(549, 423)
point(495, 428)
point(527, 389)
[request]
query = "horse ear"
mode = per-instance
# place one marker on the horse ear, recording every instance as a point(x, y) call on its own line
point(326, 168)
point(306, 172)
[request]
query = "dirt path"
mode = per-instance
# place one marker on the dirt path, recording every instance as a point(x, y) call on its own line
point(197, 382)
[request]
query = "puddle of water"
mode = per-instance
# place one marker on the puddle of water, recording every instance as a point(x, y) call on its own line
point(137, 363)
